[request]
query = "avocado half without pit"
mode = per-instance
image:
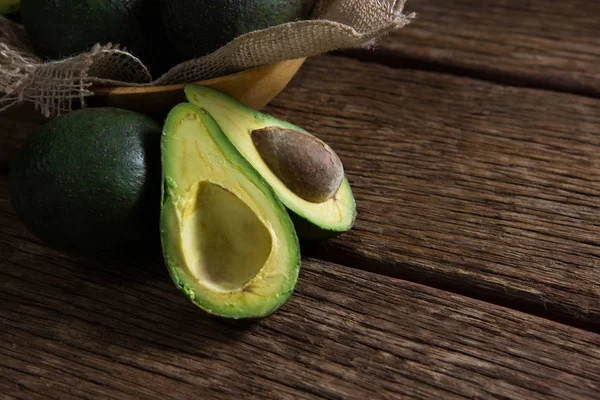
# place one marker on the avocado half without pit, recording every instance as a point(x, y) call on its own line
point(228, 242)
point(305, 174)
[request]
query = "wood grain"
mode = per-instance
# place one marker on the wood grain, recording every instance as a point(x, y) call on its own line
point(473, 187)
point(77, 328)
point(550, 44)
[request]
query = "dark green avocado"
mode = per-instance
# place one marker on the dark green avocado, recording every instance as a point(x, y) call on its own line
point(89, 182)
point(198, 27)
point(63, 28)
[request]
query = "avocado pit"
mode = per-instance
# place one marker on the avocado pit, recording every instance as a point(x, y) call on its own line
point(304, 163)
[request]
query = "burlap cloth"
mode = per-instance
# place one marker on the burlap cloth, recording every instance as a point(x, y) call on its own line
point(53, 86)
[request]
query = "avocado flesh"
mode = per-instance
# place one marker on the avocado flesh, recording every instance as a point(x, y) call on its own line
point(228, 243)
point(312, 220)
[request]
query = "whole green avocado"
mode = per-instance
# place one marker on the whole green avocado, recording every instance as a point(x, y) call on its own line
point(63, 28)
point(198, 27)
point(88, 182)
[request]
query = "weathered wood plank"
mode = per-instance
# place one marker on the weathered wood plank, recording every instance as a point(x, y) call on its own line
point(478, 188)
point(551, 44)
point(77, 328)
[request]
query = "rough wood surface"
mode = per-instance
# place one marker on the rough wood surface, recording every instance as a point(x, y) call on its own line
point(76, 328)
point(553, 44)
point(474, 187)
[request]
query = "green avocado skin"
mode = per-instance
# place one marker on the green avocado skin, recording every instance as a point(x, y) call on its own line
point(198, 27)
point(88, 182)
point(63, 28)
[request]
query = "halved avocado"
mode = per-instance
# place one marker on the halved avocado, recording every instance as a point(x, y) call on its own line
point(229, 244)
point(312, 220)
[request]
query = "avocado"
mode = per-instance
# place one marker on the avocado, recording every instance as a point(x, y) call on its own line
point(9, 6)
point(199, 27)
point(88, 182)
point(228, 243)
point(63, 28)
point(313, 220)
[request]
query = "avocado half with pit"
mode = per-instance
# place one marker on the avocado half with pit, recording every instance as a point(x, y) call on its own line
point(228, 242)
point(314, 218)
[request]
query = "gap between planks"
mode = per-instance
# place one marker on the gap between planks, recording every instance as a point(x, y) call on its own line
point(551, 82)
point(76, 327)
point(550, 45)
point(467, 186)
point(412, 269)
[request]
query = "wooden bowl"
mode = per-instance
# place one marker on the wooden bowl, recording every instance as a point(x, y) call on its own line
point(254, 87)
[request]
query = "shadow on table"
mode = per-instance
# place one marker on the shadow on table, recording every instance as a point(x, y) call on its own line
point(127, 310)
point(111, 306)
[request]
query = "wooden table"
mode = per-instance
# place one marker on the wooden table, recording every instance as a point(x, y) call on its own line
point(472, 141)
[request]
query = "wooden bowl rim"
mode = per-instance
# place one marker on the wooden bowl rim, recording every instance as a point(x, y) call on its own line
point(105, 91)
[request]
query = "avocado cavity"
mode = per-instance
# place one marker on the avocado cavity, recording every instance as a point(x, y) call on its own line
point(215, 238)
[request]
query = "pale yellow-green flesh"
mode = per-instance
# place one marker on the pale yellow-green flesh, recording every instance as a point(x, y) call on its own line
point(214, 237)
point(221, 228)
point(238, 122)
